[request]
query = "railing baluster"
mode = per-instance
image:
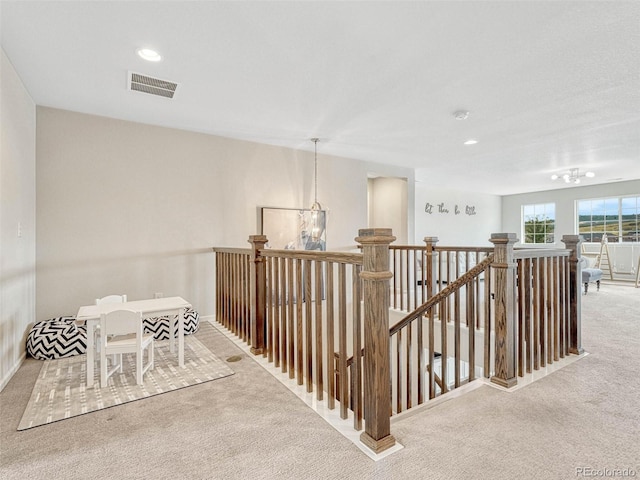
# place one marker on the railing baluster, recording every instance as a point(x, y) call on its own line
point(535, 314)
point(521, 317)
point(271, 310)
point(279, 300)
point(318, 322)
point(401, 278)
point(542, 312)
point(444, 354)
point(414, 284)
point(399, 371)
point(471, 303)
point(299, 322)
point(556, 321)
point(528, 323)
point(288, 343)
point(342, 341)
point(331, 382)
point(394, 253)
point(487, 323)
point(563, 309)
point(356, 377)
point(549, 300)
point(308, 371)
point(431, 356)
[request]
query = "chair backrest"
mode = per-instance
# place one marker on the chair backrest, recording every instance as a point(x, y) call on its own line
point(111, 299)
point(121, 322)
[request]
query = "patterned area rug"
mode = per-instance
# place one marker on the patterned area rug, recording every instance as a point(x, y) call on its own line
point(60, 391)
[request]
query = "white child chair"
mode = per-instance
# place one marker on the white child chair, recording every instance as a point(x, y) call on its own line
point(106, 300)
point(111, 299)
point(122, 332)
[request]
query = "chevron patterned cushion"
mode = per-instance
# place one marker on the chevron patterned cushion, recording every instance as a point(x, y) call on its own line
point(159, 326)
point(56, 338)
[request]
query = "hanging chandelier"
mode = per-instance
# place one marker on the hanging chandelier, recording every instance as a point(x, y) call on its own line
point(316, 208)
point(572, 176)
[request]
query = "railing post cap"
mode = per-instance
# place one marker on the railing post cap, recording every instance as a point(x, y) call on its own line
point(257, 238)
point(572, 238)
point(375, 235)
point(503, 238)
point(431, 239)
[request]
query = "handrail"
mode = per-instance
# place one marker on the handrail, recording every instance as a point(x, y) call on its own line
point(453, 286)
point(439, 248)
point(540, 252)
point(336, 257)
point(232, 250)
point(443, 248)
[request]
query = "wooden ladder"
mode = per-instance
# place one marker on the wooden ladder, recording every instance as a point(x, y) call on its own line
point(603, 261)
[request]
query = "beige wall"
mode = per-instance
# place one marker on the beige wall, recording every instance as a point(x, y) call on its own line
point(388, 206)
point(131, 208)
point(17, 218)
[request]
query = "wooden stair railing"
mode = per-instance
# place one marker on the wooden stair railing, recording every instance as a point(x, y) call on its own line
point(289, 305)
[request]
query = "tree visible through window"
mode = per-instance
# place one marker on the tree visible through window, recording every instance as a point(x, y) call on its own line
point(538, 223)
point(618, 217)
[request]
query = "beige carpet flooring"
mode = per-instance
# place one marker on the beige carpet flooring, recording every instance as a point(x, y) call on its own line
point(248, 425)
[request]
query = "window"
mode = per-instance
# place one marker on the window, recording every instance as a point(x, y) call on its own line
point(538, 223)
point(618, 217)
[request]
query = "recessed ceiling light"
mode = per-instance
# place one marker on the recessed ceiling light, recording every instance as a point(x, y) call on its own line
point(471, 142)
point(149, 55)
point(590, 174)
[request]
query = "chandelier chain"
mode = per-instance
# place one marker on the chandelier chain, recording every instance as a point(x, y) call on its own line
point(315, 170)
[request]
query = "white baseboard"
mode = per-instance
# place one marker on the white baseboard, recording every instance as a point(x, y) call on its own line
point(11, 373)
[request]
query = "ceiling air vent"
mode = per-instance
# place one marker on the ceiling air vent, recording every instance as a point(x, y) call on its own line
point(154, 86)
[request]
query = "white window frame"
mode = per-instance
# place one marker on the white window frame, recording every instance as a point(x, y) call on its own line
point(544, 206)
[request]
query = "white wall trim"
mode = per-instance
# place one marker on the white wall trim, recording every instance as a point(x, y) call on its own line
point(13, 371)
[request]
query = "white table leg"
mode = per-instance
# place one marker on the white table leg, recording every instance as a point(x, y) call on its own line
point(90, 351)
point(181, 314)
point(172, 333)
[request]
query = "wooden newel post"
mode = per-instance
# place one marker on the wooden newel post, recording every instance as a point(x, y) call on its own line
point(505, 266)
point(377, 382)
point(572, 242)
point(257, 293)
point(430, 263)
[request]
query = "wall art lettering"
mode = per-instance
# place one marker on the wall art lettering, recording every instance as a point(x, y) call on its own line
point(441, 207)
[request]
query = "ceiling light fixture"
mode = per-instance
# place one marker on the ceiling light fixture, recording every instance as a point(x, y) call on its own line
point(573, 176)
point(471, 141)
point(317, 216)
point(149, 55)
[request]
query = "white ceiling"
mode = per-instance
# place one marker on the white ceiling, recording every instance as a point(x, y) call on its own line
point(549, 85)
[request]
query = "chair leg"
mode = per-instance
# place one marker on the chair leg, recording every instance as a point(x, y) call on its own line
point(139, 363)
point(586, 287)
point(597, 285)
point(120, 362)
point(103, 372)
